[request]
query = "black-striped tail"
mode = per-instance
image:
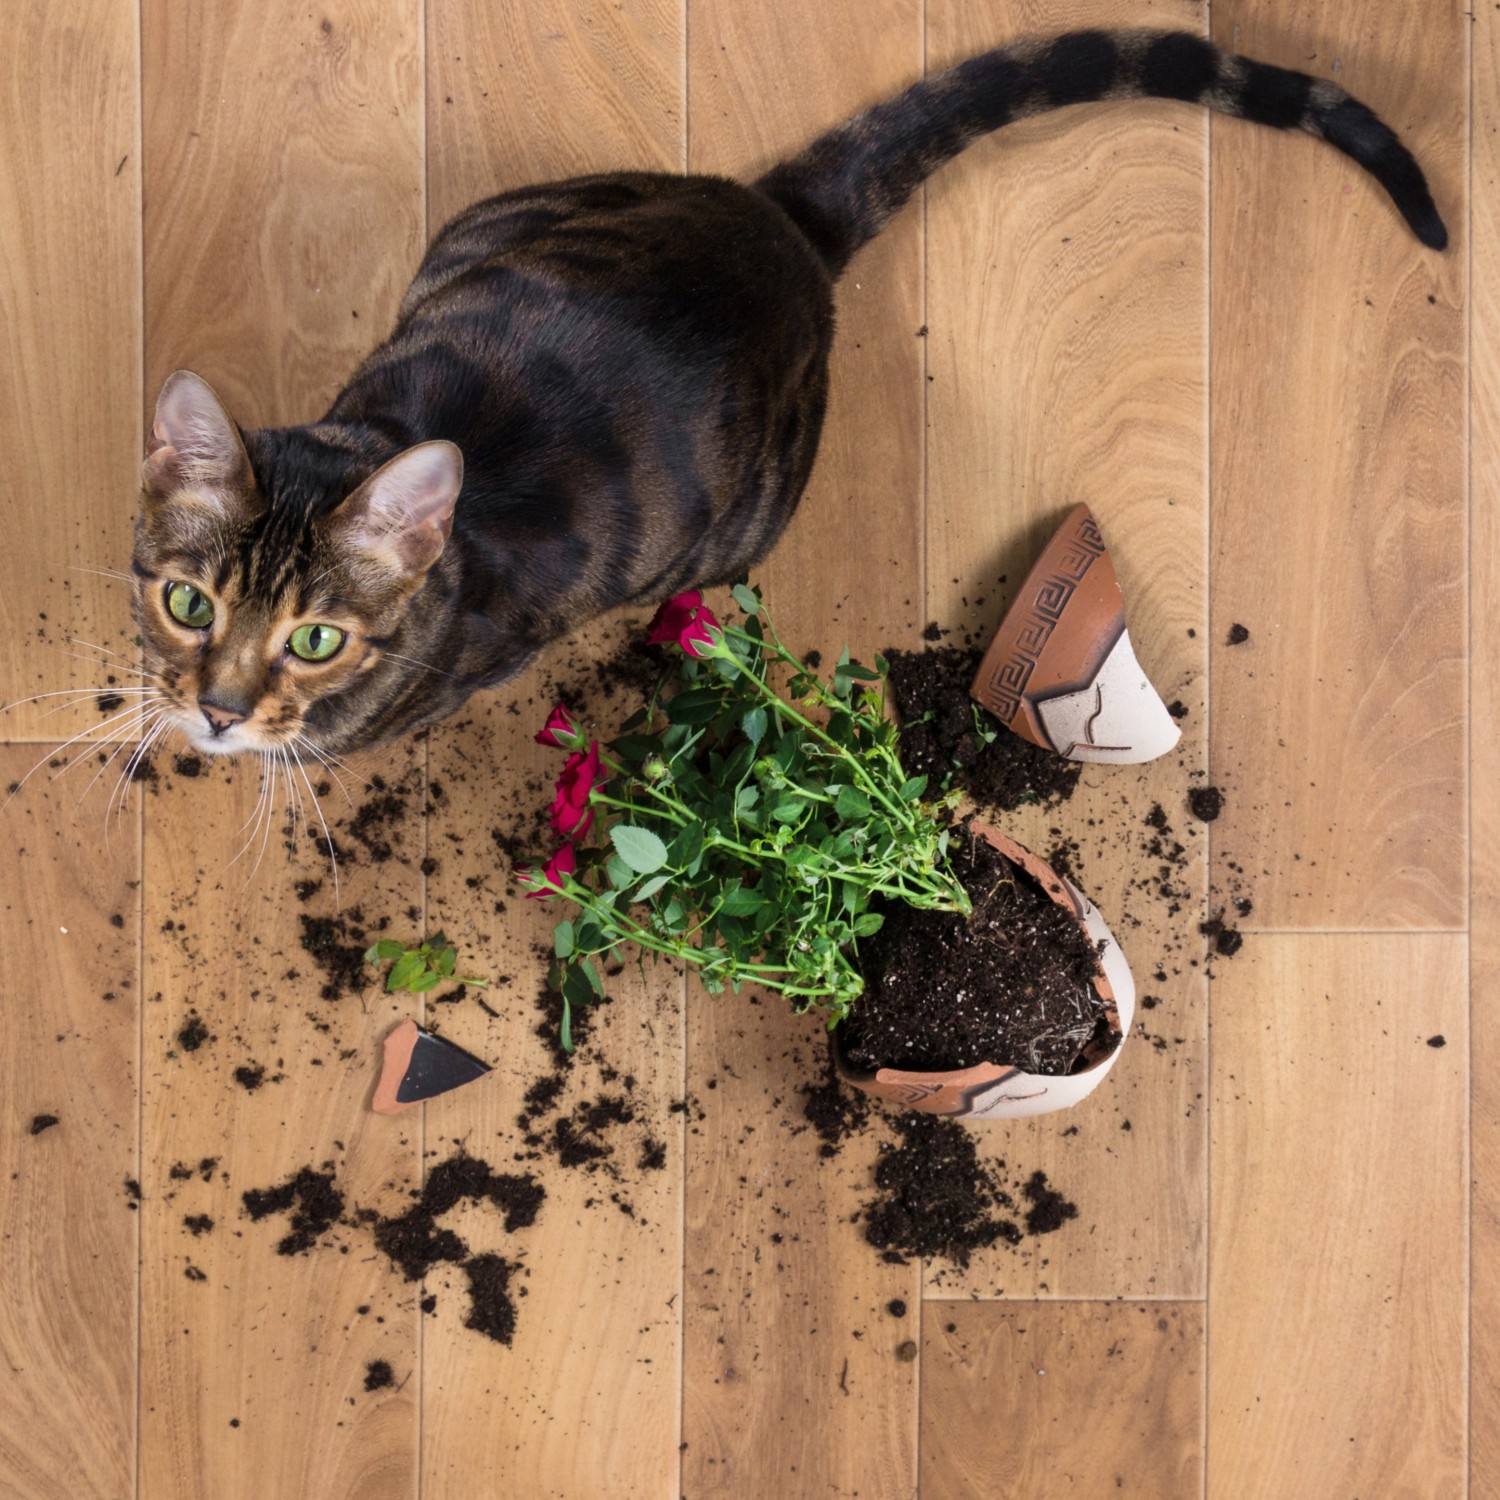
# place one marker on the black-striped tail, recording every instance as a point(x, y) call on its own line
point(848, 183)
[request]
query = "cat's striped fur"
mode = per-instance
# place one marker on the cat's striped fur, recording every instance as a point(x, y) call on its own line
point(634, 369)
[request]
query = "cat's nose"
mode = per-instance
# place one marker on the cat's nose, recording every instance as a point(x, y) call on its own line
point(221, 716)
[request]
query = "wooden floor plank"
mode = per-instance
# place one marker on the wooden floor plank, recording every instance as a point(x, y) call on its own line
point(70, 355)
point(1338, 482)
point(537, 92)
point(284, 194)
point(587, 1400)
point(791, 1383)
point(68, 1246)
point(1068, 355)
point(1066, 1399)
point(1484, 764)
point(1338, 1265)
point(253, 1362)
point(284, 215)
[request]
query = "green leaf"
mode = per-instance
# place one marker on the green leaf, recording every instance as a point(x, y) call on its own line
point(446, 961)
point(403, 971)
point(384, 949)
point(562, 939)
point(639, 848)
point(740, 902)
point(437, 942)
point(754, 725)
point(746, 599)
point(870, 922)
point(567, 1027)
point(694, 706)
point(591, 974)
point(913, 789)
point(851, 803)
point(620, 874)
point(651, 887)
point(427, 981)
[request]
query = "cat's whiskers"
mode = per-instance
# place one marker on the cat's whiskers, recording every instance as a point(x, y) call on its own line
point(270, 821)
point(255, 816)
point(78, 640)
point(55, 750)
point(100, 572)
point(333, 858)
point(77, 694)
point(126, 779)
point(153, 714)
point(397, 656)
point(324, 760)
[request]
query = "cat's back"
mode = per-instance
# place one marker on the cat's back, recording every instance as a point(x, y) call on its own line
point(650, 243)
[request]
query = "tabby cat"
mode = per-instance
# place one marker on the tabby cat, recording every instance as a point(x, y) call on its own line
point(596, 391)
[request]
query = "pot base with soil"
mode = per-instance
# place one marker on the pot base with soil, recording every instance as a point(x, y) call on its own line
point(1021, 1010)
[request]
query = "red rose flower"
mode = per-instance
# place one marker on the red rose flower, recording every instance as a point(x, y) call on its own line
point(559, 730)
point(570, 812)
point(548, 881)
point(683, 621)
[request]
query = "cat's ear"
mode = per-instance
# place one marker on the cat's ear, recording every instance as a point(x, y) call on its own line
point(194, 443)
point(400, 517)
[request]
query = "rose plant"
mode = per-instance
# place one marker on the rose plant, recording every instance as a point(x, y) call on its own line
point(747, 821)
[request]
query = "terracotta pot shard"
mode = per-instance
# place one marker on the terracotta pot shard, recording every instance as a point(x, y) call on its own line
point(999, 1090)
point(1061, 671)
point(418, 1066)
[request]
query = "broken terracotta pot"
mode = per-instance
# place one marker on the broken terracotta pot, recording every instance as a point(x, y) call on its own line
point(999, 1090)
point(419, 1065)
point(1061, 671)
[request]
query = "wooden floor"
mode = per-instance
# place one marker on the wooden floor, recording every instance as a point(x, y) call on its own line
point(1285, 1278)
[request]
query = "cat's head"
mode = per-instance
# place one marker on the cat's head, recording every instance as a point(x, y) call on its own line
point(255, 605)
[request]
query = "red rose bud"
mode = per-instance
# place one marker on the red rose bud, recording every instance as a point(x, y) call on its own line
point(683, 621)
point(548, 881)
point(559, 730)
point(570, 813)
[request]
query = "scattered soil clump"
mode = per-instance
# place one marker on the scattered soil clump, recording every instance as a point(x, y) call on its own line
point(834, 1110)
point(342, 962)
point(492, 1312)
point(39, 1123)
point(944, 733)
point(379, 1375)
point(311, 1198)
point(1049, 1210)
point(193, 1033)
point(936, 1198)
point(1206, 803)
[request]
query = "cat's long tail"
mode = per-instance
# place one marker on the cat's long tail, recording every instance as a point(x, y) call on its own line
point(844, 187)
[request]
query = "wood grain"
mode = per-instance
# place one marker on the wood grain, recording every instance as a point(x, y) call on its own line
point(791, 1385)
point(68, 1247)
point(533, 93)
point(283, 196)
point(70, 354)
point(1028, 1403)
point(253, 1363)
point(1068, 350)
point(1337, 1309)
point(1484, 767)
point(587, 1401)
point(283, 217)
point(1338, 483)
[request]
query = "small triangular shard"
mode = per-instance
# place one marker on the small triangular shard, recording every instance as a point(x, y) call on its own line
point(418, 1066)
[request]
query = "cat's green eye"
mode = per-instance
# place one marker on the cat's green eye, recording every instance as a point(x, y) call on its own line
point(316, 642)
point(189, 606)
